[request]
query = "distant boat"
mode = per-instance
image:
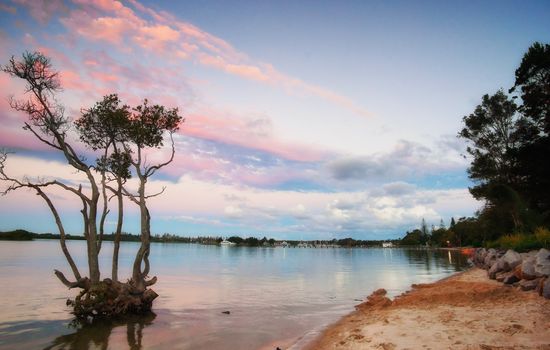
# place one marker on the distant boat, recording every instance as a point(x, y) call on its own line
point(387, 244)
point(226, 242)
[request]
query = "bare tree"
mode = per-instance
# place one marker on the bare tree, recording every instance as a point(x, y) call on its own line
point(47, 122)
point(121, 136)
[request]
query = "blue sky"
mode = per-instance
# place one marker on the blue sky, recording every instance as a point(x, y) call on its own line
point(303, 119)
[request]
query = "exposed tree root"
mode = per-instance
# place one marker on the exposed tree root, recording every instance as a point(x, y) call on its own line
point(110, 299)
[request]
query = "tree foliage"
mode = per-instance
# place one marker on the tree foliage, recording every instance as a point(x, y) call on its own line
point(509, 146)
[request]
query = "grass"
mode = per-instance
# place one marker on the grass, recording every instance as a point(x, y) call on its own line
point(523, 242)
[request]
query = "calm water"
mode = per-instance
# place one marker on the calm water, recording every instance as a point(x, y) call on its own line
point(276, 296)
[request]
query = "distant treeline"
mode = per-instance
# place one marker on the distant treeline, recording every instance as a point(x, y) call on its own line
point(23, 235)
point(345, 242)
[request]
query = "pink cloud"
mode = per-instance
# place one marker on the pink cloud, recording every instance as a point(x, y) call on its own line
point(247, 132)
point(89, 76)
point(43, 10)
point(110, 29)
point(245, 71)
point(72, 80)
point(16, 137)
point(160, 32)
point(166, 36)
point(104, 77)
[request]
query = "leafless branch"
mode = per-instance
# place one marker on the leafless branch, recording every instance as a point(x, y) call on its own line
point(151, 170)
point(156, 194)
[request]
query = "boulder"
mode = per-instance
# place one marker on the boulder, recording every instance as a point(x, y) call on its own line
point(529, 254)
point(542, 263)
point(377, 300)
point(528, 268)
point(490, 258)
point(500, 276)
point(546, 289)
point(479, 256)
point(510, 278)
point(540, 285)
point(517, 272)
point(526, 285)
point(511, 259)
point(493, 270)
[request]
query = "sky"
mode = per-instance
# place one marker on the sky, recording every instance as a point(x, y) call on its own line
point(303, 119)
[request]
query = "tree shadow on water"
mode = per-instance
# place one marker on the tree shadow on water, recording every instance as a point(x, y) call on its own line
point(97, 334)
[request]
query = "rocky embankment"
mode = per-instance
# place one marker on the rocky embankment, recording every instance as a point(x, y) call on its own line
point(526, 271)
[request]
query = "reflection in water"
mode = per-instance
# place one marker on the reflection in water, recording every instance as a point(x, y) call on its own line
point(436, 259)
point(271, 293)
point(98, 334)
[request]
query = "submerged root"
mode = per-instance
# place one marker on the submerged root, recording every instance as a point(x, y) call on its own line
point(109, 299)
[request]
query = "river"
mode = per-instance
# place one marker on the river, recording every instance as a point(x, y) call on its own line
point(275, 296)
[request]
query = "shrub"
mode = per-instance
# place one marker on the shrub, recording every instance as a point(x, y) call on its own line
point(542, 235)
point(523, 242)
point(518, 242)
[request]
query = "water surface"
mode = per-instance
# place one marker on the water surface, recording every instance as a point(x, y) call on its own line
point(275, 296)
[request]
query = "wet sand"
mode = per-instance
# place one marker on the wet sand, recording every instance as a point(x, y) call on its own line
point(464, 311)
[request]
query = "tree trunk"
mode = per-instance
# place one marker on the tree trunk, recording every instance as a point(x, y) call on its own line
point(137, 275)
point(91, 242)
point(116, 243)
point(64, 248)
point(104, 212)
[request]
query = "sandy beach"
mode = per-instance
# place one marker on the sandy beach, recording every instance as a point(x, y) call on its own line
point(465, 311)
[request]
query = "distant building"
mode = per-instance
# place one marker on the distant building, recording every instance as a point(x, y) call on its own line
point(387, 244)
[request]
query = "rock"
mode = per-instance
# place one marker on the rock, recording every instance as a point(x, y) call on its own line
point(540, 285)
point(510, 278)
point(546, 288)
point(529, 254)
point(511, 259)
point(499, 266)
point(542, 263)
point(500, 276)
point(479, 256)
point(377, 300)
point(490, 258)
point(517, 272)
point(526, 285)
point(493, 270)
point(528, 268)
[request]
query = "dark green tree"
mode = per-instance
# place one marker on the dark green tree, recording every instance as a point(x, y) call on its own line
point(424, 229)
point(533, 84)
point(490, 131)
point(412, 238)
point(493, 144)
point(533, 81)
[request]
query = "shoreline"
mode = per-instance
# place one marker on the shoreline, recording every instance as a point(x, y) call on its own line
point(466, 310)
